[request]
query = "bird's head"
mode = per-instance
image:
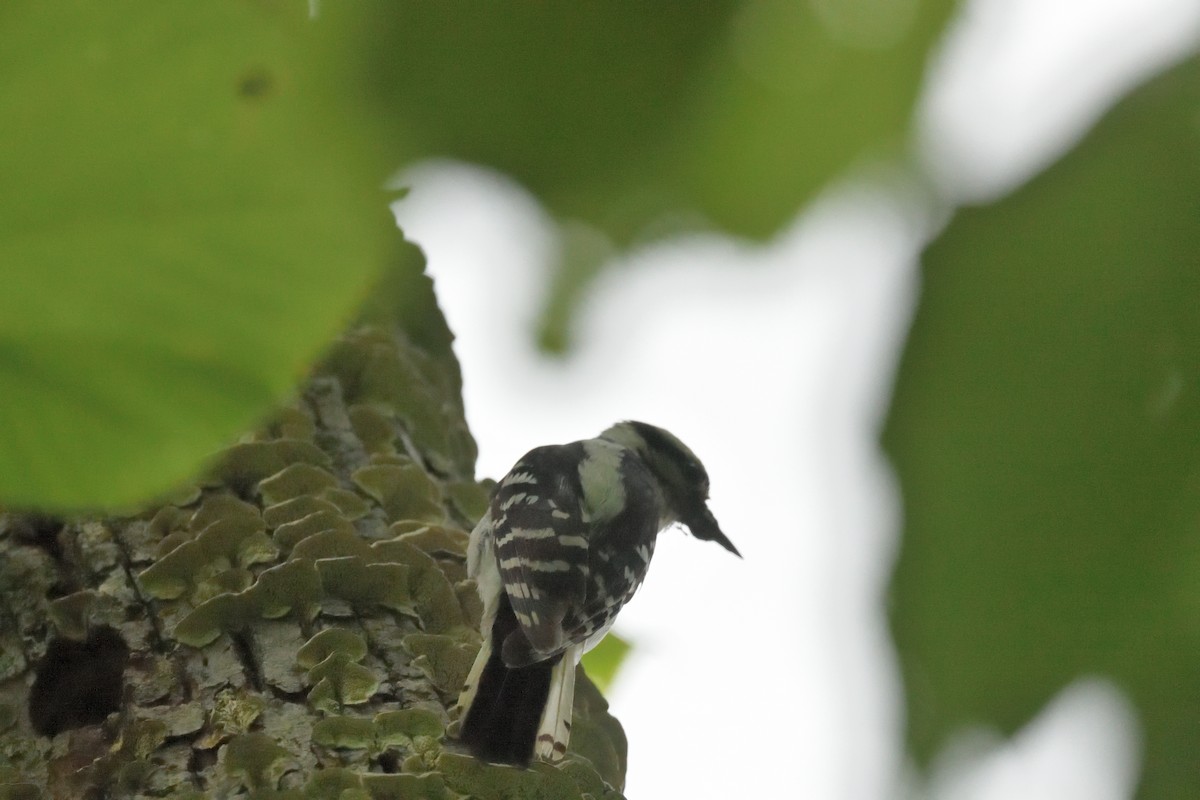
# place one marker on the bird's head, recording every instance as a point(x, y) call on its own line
point(683, 478)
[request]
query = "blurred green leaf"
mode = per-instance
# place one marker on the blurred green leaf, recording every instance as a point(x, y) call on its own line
point(619, 114)
point(189, 210)
point(1046, 429)
point(604, 660)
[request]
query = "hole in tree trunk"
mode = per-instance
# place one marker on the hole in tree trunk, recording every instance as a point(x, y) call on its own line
point(78, 683)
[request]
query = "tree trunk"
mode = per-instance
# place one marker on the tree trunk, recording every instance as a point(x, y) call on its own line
point(297, 625)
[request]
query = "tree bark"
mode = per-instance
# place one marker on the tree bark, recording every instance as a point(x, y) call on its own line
point(297, 625)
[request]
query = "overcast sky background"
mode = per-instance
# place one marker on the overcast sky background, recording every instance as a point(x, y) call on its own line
point(775, 676)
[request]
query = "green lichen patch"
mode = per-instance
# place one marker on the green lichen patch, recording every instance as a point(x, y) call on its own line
point(171, 576)
point(342, 681)
point(395, 459)
point(469, 498)
point(402, 726)
point(70, 615)
point(292, 423)
point(270, 794)
point(183, 495)
point(390, 373)
point(141, 737)
point(256, 549)
point(293, 586)
point(585, 777)
point(204, 583)
point(351, 505)
point(445, 660)
point(403, 378)
point(233, 580)
point(172, 541)
point(345, 361)
point(408, 787)
point(236, 540)
point(374, 427)
point(554, 779)
point(403, 526)
point(596, 735)
point(233, 712)
point(218, 506)
point(403, 490)
point(335, 543)
point(242, 540)
point(290, 534)
point(20, 791)
point(329, 641)
point(335, 783)
point(294, 509)
point(438, 540)
point(455, 570)
point(255, 761)
point(484, 781)
point(12, 659)
point(468, 599)
point(242, 466)
point(128, 778)
point(415, 733)
point(324, 697)
point(217, 615)
point(168, 520)
point(294, 481)
point(425, 753)
point(366, 586)
point(345, 733)
point(23, 758)
point(190, 794)
point(437, 603)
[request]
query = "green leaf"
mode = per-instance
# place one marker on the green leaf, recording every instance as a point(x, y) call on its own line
point(189, 210)
point(604, 660)
point(1045, 428)
point(622, 113)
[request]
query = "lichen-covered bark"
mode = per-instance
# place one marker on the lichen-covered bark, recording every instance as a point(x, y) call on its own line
point(295, 626)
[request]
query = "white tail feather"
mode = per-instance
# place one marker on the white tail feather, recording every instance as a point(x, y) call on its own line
point(554, 730)
point(487, 577)
point(471, 687)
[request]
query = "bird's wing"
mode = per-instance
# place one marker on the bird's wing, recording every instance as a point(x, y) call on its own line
point(541, 542)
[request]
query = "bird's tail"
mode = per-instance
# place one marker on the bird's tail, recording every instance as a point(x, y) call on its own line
point(554, 729)
point(509, 713)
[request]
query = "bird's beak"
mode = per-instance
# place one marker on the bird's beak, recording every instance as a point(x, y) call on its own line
point(705, 527)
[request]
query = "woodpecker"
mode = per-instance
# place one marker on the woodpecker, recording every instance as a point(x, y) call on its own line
point(565, 543)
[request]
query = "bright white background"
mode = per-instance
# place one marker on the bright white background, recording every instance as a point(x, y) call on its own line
point(775, 676)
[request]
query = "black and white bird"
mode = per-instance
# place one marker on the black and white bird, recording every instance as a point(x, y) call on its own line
point(564, 545)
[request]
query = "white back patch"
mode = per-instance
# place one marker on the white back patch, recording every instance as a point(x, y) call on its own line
point(601, 479)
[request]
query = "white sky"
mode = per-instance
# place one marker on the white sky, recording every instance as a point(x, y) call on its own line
point(775, 676)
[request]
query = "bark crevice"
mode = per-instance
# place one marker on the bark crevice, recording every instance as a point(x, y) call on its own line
point(243, 648)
